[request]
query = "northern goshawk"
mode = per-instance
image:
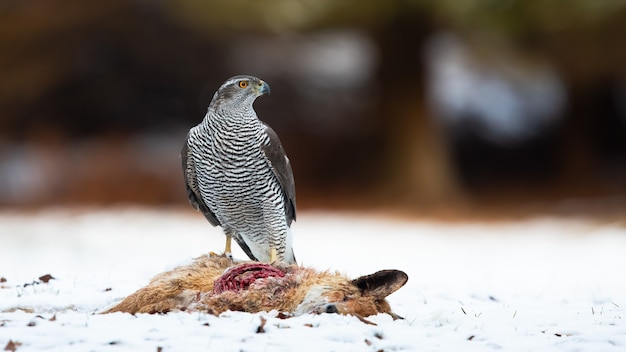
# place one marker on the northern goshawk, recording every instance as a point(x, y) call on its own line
point(238, 175)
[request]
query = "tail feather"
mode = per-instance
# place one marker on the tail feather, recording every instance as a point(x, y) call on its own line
point(240, 241)
point(289, 256)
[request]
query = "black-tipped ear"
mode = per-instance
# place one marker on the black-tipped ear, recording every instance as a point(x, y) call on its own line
point(381, 283)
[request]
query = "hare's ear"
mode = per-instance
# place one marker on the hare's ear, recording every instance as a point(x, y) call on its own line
point(381, 283)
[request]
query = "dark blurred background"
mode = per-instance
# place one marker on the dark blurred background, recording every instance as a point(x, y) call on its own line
point(424, 107)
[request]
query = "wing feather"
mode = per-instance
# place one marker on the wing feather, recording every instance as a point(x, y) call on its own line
point(281, 167)
point(191, 184)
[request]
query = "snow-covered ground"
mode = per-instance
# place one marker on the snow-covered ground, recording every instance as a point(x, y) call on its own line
point(542, 284)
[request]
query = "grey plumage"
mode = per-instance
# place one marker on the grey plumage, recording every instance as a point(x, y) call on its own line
point(238, 175)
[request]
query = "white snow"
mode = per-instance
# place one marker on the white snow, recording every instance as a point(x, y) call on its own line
point(542, 284)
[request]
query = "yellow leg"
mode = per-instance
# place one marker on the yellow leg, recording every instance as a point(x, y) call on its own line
point(228, 241)
point(273, 255)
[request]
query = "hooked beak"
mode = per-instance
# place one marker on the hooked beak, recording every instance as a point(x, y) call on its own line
point(262, 88)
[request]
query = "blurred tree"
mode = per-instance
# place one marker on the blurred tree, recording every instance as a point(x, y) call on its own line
point(72, 69)
point(582, 38)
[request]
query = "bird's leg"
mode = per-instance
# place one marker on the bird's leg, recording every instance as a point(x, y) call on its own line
point(227, 250)
point(229, 238)
point(273, 255)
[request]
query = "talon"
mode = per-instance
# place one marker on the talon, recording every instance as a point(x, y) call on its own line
point(226, 255)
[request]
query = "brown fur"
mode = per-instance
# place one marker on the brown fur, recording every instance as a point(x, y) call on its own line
point(301, 290)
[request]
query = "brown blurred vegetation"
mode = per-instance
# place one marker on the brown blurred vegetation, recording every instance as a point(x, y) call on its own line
point(96, 98)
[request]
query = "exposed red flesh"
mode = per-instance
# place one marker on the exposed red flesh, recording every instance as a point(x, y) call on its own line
point(240, 277)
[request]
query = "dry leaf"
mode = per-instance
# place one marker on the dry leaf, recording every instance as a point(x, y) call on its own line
point(54, 318)
point(46, 278)
point(12, 345)
point(368, 342)
point(282, 315)
point(3, 279)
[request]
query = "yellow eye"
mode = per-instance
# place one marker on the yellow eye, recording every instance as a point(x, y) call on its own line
point(243, 84)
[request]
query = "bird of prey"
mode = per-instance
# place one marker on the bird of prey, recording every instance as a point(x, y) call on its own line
point(238, 175)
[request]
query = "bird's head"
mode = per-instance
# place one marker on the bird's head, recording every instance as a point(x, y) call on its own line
point(239, 92)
